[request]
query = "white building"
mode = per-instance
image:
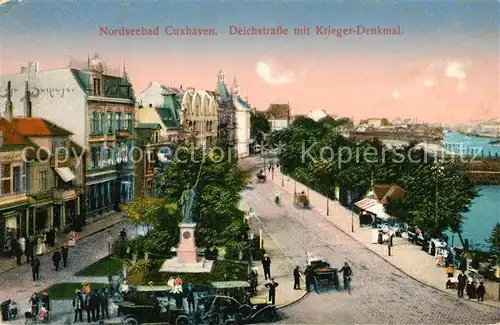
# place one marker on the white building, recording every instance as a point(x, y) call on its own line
point(318, 114)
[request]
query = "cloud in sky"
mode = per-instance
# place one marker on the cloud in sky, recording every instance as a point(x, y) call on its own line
point(428, 83)
point(455, 70)
point(266, 73)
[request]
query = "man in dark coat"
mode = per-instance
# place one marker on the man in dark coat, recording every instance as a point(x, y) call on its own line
point(104, 302)
point(462, 284)
point(296, 278)
point(480, 292)
point(86, 305)
point(18, 252)
point(266, 265)
point(190, 299)
point(272, 291)
point(35, 268)
point(78, 305)
point(95, 305)
point(29, 250)
point(56, 259)
point(64, 254)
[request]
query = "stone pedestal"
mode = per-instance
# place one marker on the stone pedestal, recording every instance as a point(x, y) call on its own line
point(187, 251)
point(187, 260)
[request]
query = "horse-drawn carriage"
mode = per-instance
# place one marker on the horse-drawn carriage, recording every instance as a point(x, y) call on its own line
point(300, 200)
point(261, 176)
point(321, 272)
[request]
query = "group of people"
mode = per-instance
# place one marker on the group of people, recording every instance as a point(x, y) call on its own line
point(470, 287)
point(94, 302)
point(58, 256)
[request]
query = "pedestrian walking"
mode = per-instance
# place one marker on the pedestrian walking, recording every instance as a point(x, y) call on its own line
point(272, 291)
point(78, 305)
point(462, 284)
point(17, 252)
point(95, 305)
point(86, 305)
point(56, 259)
point(104, 304)
point(480, 292)
point(35, 268)
point(109, 241)
point(190, 299)
point(64, 254)
point(22, 244)
point(30, 247)
point(266, 265)
point(296, 278)
point(45, 301)
point(123, 234)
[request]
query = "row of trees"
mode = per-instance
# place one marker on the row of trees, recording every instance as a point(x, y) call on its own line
point(314, 153)
point(221, 222)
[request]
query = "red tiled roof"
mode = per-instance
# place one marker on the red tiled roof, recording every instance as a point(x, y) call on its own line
point(11, 137)
point(38, 127)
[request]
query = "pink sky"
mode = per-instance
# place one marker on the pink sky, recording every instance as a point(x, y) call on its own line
point(437, 88)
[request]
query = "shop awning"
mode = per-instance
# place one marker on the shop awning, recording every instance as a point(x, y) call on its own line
point(65, 173)
point(366, 203)
point(373, 206)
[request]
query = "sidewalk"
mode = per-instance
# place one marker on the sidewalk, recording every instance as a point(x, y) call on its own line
point(95, 226)
point(406, 257)
point(281, 268)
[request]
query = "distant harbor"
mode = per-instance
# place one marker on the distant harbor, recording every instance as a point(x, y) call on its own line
point(471, 145)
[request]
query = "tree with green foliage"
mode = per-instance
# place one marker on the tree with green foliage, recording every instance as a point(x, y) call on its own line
point(494, 239)
point(259, 126)
point(220, 185)
point(316, 154)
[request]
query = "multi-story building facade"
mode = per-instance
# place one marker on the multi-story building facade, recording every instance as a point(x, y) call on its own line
point(187, 114)
point(234, 115)
point(99, 109)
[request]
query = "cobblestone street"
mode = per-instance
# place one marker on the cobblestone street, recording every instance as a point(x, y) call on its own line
point(380, 293)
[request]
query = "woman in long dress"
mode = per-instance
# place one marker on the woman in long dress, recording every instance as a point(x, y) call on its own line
point(44, 243)
point(39, 245)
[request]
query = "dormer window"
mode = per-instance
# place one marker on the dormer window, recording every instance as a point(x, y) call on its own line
point(97, 87)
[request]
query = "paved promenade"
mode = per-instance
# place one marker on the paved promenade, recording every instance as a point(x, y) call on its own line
point(405, 256)
point(381, 293)
point(17, 283)
point(101, 224)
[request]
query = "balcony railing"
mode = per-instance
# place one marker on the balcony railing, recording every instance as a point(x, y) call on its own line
point(13, 194)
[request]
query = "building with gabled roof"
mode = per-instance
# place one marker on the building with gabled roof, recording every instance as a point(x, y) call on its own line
point(98, 108)
point(279, 115)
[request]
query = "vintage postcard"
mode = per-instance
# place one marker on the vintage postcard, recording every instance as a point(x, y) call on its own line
point(249, 162)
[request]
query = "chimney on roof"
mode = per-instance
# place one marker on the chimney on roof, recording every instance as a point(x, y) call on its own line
point(8, 103)
point(27, 101)
point(24, 69)
point(32, 69)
